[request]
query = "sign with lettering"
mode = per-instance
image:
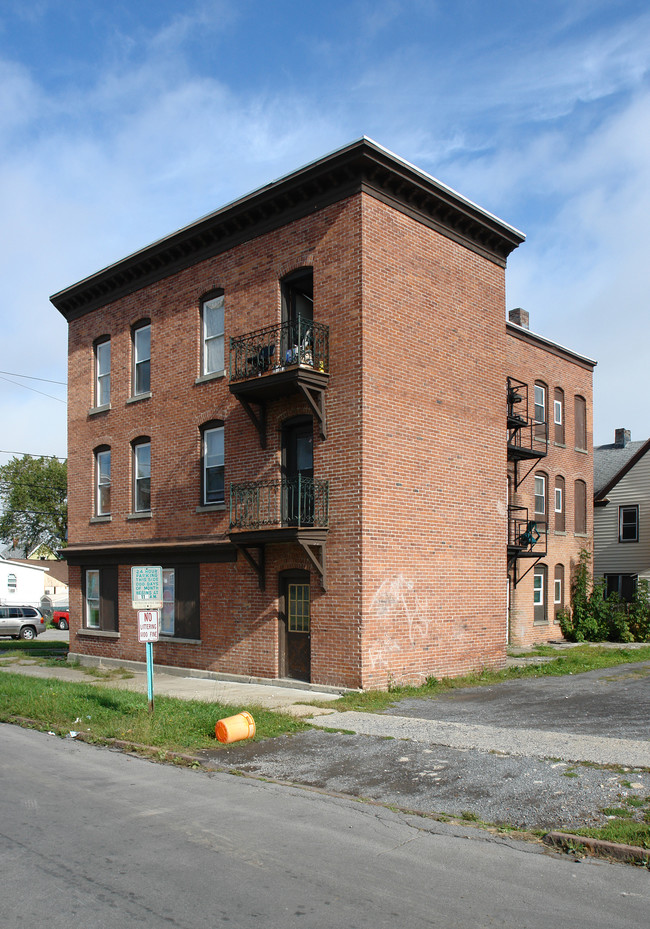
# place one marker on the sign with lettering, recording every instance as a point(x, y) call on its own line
point(146, 587)
point(148, 625)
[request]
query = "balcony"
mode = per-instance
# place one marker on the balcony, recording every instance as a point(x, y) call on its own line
point(290, 357)
point(286, 510)
point(527, 538)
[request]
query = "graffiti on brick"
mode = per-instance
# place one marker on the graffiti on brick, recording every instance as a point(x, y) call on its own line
point(397, 605)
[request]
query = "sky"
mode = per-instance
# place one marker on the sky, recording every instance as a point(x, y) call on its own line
point(121, 122)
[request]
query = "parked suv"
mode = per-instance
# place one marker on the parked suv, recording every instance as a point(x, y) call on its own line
point(21, 622)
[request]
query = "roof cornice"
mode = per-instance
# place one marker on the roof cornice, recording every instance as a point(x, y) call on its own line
point(361, 167)
point(553, 347)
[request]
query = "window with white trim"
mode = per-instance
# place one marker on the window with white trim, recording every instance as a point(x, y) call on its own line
point(213, 463)
point(540, 494)
point(103, 372)
point(92, 598)
point(141, 359)
point(141, 476)
point(212, 324)
point(628, 523)
point(103, 482)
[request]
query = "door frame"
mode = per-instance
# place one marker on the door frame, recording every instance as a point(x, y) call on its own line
point(286, 577)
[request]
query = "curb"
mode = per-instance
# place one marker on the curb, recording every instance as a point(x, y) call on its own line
point(598, 847)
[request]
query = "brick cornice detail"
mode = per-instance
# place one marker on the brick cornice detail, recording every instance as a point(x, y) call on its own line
point(362, 167)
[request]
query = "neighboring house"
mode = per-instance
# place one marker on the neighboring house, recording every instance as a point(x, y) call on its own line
point(21, 582)
point(297, 406)
point(550, 477)
point(622, 513)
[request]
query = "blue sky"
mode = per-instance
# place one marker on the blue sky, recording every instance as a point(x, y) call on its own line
point(122, 121)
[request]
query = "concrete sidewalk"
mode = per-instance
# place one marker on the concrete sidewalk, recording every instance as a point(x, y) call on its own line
point(184, 684)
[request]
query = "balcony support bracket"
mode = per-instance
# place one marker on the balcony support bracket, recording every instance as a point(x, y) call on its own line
point(258, 418)
point(257, 564)
point(315, 396)
point(315, 551)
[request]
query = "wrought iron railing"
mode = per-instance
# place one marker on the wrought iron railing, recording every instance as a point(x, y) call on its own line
point(528, 436)
point(276, 348)
point(524, 533)
point(299, 502)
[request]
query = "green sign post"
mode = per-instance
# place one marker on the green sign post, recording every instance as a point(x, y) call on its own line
point(147, 599)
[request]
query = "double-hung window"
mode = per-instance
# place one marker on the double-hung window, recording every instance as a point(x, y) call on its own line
point(103, 372)
point(212, 314)
point(539, 411)
point(99, 588)
point(141, 476)
point(180, 616)
point(213, 464)
point(540, 495)
point(141, 359)
point(103, 485)
point(628, 524)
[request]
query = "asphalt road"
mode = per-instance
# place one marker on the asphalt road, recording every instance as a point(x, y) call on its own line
point(95, 838)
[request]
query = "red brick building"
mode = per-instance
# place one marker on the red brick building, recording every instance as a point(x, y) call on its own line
point(550, 477)
point(296, 406)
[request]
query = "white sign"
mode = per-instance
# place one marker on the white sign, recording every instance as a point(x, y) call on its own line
point(146, 587)
point(147, 625)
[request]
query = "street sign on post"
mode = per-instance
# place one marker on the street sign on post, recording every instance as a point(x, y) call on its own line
point(146, 587)
point(148, 625)
point(147, 599)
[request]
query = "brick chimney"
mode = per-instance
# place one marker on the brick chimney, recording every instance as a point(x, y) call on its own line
point(519, 317)
point(621, 437)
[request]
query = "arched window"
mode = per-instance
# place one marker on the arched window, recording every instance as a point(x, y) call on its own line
point(102, 480)
point(141, 470)
point(580, 507)
point(559, 503)
point(141, 355)
point(540, 609)
point(540, 496)
point(11, 583)
point(102, 356)
point(558, 416)
point(580, 423)
point(212, 333)
point(212, 463)
point(540, 410)
point(558, 589)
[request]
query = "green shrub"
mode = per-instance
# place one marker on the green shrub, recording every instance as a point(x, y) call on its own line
point(594, 617)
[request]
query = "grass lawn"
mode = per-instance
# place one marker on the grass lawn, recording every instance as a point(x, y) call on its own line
point(101, 714)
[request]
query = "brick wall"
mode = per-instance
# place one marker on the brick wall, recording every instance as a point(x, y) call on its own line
point(529, 360)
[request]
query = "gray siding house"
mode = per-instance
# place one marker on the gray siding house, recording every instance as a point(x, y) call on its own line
point(622, 513)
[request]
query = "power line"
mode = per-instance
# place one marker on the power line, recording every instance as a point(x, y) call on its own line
point(4, 451)
point(31, 377)
point(33, 389)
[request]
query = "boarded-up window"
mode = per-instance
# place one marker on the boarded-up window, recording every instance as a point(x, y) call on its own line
point(558, 589)
point(558, 416)
point(580, 423)
point(580, 504)
point(560, 525)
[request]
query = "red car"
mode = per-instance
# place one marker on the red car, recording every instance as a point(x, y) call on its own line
point(61, 619)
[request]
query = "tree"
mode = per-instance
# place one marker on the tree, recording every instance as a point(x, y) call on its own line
point(33, 493)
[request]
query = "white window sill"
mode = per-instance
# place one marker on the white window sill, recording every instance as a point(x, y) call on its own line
point(214, 376)
point(211, 508)
point(94, 410)
point(106, 518)
point(583, 451)
point(139, 397)
point(146, 514)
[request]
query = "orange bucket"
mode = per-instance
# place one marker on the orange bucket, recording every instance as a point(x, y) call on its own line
point(235, 728)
